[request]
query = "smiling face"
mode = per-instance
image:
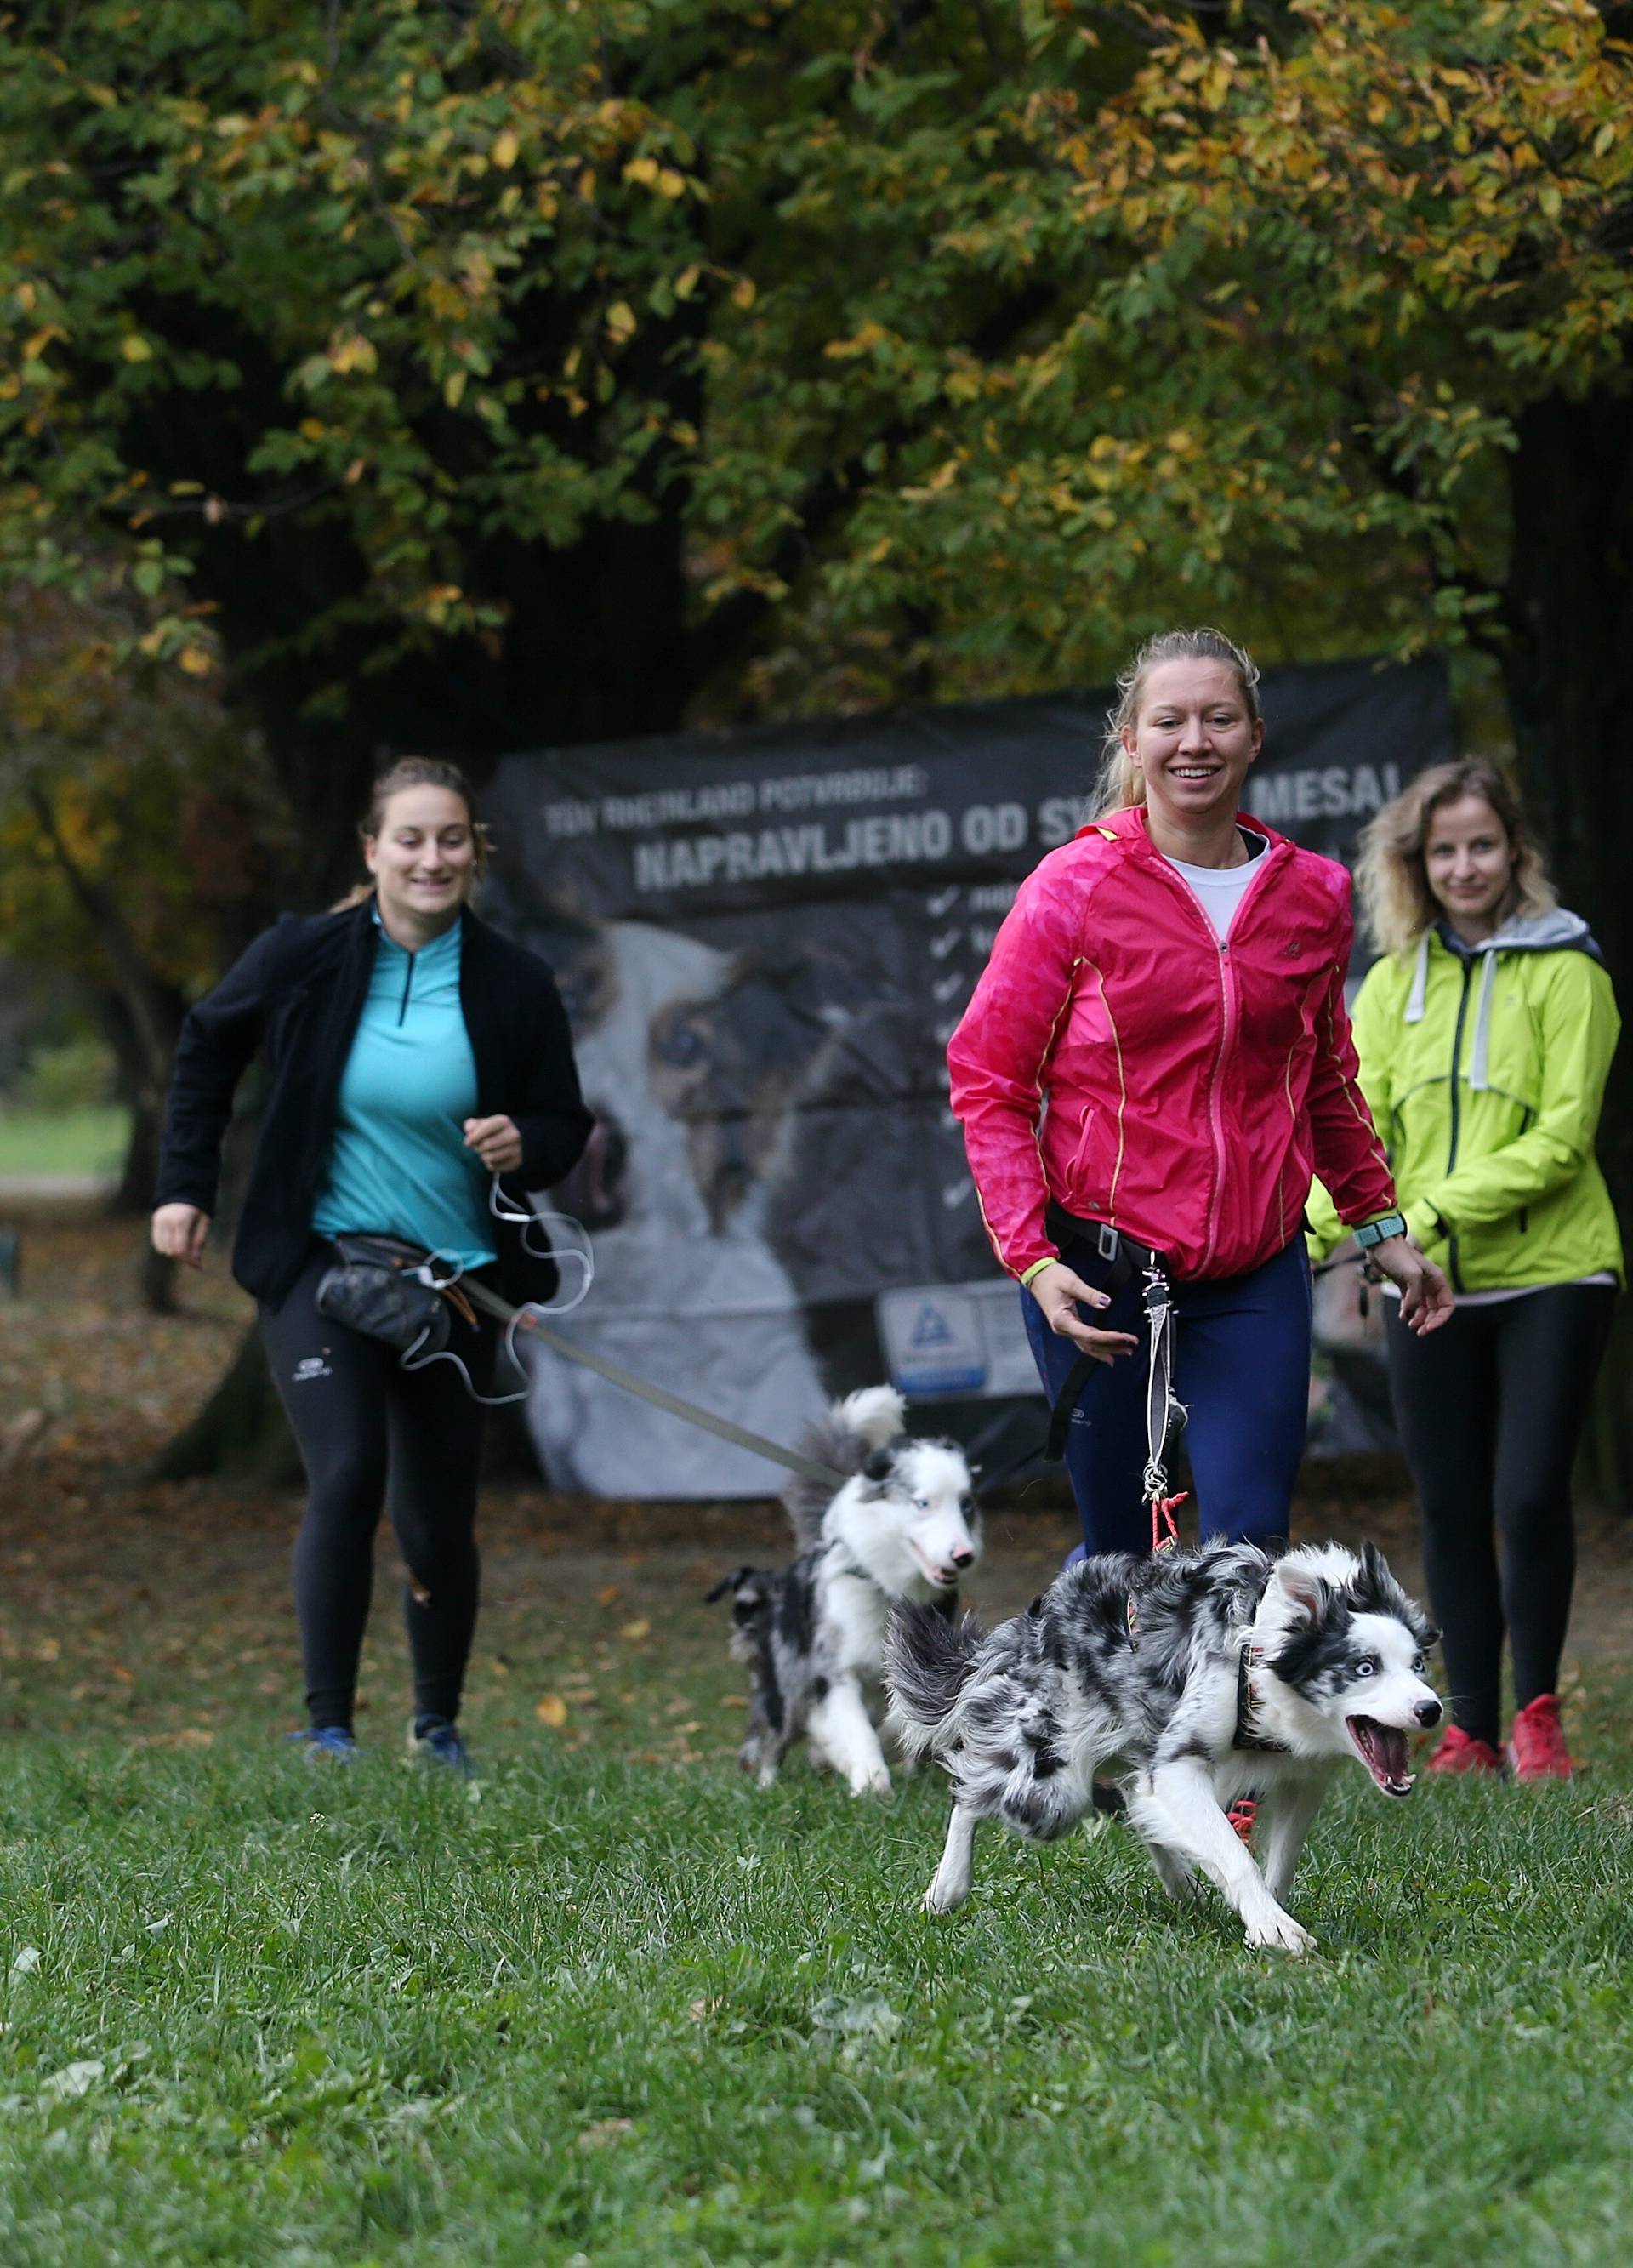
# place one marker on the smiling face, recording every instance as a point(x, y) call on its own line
point(424, 861)
point(1193, 737)
point(1468, 861)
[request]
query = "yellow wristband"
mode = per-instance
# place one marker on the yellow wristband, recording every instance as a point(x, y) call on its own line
point(1038, 1267)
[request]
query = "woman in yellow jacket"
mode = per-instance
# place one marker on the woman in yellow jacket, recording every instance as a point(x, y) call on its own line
point(1485, 1033)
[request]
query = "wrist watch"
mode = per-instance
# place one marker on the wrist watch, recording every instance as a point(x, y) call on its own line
point(1375, 1232)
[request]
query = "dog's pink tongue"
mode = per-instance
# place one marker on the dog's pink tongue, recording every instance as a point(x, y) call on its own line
point(1384, 1750)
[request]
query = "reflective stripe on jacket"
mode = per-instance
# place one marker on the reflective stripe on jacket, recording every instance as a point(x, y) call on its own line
point(1485, 1070)
point(1117, 1057)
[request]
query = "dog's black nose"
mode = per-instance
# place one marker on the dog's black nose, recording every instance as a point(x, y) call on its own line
point(1428, 1713)
point(963, 1558)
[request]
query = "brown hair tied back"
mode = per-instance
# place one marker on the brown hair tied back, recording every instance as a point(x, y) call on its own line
point(1391, 878)
point(415, 771)
point(1119, 783)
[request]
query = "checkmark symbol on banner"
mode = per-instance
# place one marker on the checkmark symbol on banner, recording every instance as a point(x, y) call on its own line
point(941, 903)
point(940, 947)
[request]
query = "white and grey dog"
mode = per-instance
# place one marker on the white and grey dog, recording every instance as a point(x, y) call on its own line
point(1197, 1677)
point(902, 1527)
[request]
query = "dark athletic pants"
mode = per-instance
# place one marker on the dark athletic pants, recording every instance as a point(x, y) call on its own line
point(1242, 1365)
point(363, 1422)
point(1488, 1410)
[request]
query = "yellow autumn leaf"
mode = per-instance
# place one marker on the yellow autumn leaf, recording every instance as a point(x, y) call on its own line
point(621, 320)
point(194, 660)
point(135, 348)
point(743, 291)
point(669, 184)
point(634, 1632)
point(452, 388)
point(643, 170)
point(505, 150)
point(551, 1710)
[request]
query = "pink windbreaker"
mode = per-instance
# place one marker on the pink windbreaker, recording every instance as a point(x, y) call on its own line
point(1117, 1057)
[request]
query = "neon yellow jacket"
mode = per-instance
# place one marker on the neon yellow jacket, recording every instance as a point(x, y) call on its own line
point(1485, 1069)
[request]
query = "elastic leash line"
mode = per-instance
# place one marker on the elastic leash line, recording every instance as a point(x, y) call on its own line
point(526, 1319)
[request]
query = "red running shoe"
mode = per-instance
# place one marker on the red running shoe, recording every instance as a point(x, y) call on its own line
point(1242, 1816)
point(1537, 1748)
point(1462, 1752)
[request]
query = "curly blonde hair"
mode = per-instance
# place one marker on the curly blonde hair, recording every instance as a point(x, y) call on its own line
point(1390, 876)
point(1119, 783)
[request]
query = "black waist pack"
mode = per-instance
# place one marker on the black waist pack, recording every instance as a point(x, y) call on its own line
point(372, 1289)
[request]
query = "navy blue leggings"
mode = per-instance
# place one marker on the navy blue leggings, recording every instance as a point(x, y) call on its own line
point(1241, 1366)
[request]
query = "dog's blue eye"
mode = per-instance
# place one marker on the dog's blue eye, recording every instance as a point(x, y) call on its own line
point(1419, 1665)
point(920, 1504)
point(1365, 1668)
point(683, 1044)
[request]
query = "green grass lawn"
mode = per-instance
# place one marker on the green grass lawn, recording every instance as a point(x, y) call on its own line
point(591, 2011)
point(86, 1141)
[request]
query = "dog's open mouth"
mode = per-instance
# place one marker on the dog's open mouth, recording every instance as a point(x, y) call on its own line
point(1382, 1749)
point(944, 1579)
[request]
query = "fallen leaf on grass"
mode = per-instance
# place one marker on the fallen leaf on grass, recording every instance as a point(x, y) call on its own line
point(699, 2009)
point(636, 1631)
point(551, 1710)
point(190, 1736)
point(596, 2137)
point(734, 1701)
point(73, 2079)
point(609, 1594)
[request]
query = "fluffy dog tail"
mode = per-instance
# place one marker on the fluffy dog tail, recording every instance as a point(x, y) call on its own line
point(928, 1660)
point(844, 1438)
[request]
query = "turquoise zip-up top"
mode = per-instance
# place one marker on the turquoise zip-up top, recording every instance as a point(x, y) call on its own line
point(1484, 1069)
point(398, 1164)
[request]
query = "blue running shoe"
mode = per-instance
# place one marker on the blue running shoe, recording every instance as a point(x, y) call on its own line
point(435, 1740)
point(331, 1740)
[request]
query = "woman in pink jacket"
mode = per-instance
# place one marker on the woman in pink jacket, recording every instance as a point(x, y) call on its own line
point(1155, 1060)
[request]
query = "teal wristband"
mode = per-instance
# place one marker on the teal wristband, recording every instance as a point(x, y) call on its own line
point(1377, 1231)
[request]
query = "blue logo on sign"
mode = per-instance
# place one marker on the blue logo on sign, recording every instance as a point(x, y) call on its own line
point(931, 1328)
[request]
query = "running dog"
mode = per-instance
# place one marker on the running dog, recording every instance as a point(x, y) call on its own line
point(1199, 1676)
point(902, 1529)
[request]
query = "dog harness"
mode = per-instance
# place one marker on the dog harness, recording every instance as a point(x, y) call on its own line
point(1244, 1736)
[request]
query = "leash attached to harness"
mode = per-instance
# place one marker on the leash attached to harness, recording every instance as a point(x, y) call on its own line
point(1161, 1409)
point(1121, 1258)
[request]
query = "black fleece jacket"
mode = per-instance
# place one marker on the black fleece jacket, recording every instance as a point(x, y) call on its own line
point(298, 994)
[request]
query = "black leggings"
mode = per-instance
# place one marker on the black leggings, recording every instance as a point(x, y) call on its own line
point(1489, 1408)
point(360, 1420)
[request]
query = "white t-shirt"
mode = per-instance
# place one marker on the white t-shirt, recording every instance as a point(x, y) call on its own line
point(1219, 890)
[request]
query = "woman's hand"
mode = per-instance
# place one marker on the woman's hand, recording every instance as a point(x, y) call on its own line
point(1059, 1293)
point(1426, 1301)
point(178, 1231)
point(496, 1142)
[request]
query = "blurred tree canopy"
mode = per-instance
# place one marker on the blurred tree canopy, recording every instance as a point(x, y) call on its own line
point(478, 374)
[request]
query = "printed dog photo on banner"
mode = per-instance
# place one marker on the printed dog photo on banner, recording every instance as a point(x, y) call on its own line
point(695, 1058)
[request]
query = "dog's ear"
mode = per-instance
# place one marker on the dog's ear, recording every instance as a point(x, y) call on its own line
point(879, 1466)
point(739, 1576)
point(1305, 1592)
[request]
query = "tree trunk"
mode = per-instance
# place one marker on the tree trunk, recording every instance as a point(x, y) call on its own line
point(241, 1432)
point(1569, 671)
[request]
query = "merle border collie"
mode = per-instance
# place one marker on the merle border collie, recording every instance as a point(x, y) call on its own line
point(903, 1527)
point(1196, 1677)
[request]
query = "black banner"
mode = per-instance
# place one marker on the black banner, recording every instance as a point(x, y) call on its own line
point(766, 940)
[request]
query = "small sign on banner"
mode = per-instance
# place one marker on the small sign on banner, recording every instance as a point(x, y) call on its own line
point(933, 1340)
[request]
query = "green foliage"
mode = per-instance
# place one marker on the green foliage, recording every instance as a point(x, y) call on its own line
point(1005, 330)
point(77, 1074)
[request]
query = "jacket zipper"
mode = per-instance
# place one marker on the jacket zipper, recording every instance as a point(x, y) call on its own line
point(408, 986)
point(1451, 1162)
point(1227, 999)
